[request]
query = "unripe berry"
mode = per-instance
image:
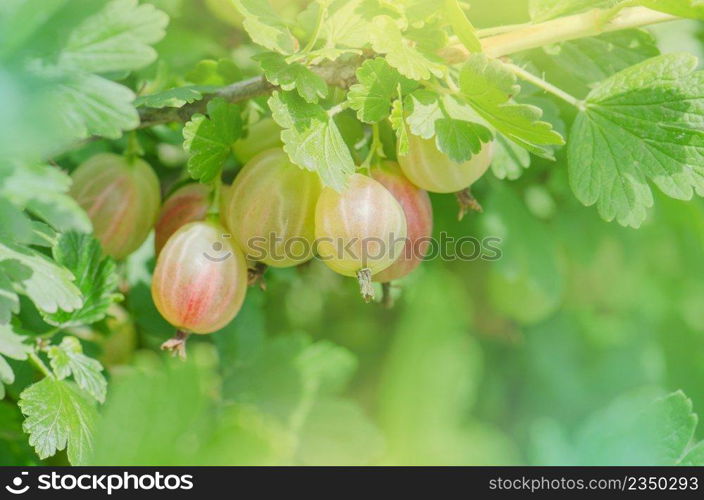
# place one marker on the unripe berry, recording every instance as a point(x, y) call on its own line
point(270, 210)
point(189, 203)
point(200, 278)
point(362, 227)
point(432, 170)
point(121, 199)
point(419, 218)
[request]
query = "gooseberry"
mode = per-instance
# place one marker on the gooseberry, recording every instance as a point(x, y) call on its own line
point(270, 210)
point(360, 231)
point(189, 203)
point(432, 170)
point(200, 278)
point(419, 219)
point(121, 198)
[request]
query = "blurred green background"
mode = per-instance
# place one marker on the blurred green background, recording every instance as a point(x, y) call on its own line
point(558, 353)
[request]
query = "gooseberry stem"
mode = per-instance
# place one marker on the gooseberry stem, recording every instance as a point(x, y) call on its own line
point(467, 202)
point(176, 345)
point(366, 288)
point(546, 86)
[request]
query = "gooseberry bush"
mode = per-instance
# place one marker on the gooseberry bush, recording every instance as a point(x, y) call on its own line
point(281, 133)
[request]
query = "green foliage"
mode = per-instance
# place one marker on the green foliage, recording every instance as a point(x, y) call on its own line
point(209, 139)
point(642, 124)
point(575, 346)
point(58, 417)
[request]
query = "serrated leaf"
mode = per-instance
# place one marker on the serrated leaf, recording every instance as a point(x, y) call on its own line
point(637, 430)
point(91, 105)
point(509, 159)
point(265, 27)
point(311, 138)
point(347, 23)
point(398, 123)
point(424, 109)
point(95, 275)
point(387, 39)
point(209, 139)
point(489, 87)
point(58, 417)
point(48, 285)
point(117, 38)
point(694, 456)
point(11, 346)
point(644, 124)
point(378, 85)
point(460, 139)
point(309, 86)
point(68, 359)
point(172, 98)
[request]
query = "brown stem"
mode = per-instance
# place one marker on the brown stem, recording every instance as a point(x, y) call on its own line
point(176, 345)
point(467, 202)
point(366, 288)
point(255, 275)
point(338, 74)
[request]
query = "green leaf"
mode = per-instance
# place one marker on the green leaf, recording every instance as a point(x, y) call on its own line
point(387, 39)
point(347, 23)
point(48, 285)
point(594, 59)
point(461, 26)
point(43, 190)
point(509, 159)
point(637, 430)
point(209, 139)
point(95, 276)
point(11, 346)
point(378, 85)
point(68, 359)
point(430, 115)
point(424, 109)
point(643, 124)
point(398, 123)
point(172, 98)
point(309, 86)
point(9, 301)
point(91, 105)
point(265, 27)
point(58, 416)
point(460, 139)
point(489, 87)
point(311, 138)
point(117, 38)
